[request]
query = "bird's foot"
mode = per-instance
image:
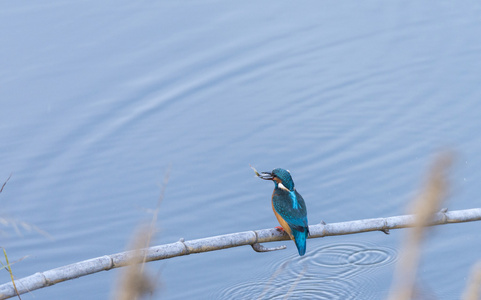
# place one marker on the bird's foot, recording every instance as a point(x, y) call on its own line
point(279, 228)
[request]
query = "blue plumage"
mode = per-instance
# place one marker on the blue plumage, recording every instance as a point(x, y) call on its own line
point(300, 240)
point(289, 207)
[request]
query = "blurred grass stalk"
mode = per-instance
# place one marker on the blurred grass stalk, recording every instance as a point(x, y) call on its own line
point(474, 283)
point(8, 266)
point(423, 207)
point(134, 281)
point(9, 269)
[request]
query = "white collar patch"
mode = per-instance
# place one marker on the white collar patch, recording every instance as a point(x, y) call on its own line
point(280, 185)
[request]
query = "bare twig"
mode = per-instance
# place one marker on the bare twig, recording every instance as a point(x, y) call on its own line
point(260, 248)
point(1, 189)
point(181, 248)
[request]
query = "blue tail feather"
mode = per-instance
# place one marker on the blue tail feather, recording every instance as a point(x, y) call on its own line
point(300, 240)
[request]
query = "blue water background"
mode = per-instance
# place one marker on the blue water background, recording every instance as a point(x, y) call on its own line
point(100, 100)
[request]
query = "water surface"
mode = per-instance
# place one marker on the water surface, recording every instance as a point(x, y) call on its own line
point(100, 101)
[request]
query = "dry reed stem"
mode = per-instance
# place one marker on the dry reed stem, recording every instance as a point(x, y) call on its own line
point(1, 189)
point(424, 206)
point(472, 291)
point(12, 263)
point(19, 225)
point(134, 282)
point(8, 265)
point(9, 269)
point(155, 213)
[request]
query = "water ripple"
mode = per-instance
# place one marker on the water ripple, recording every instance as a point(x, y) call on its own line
point(336, 271)
point(295, 288)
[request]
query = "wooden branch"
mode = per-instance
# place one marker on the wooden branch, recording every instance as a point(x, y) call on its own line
point(253, 238)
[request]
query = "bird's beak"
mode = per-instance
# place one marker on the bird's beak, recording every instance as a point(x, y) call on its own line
point(263, 175)
point(266, 176)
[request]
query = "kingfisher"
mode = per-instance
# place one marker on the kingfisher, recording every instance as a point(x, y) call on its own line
point(288, 206)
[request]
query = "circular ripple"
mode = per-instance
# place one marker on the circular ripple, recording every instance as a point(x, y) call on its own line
point(323, 289)
point(335, 255)
point(339, 260)
point(295, 288)
point(369, 257)
point(245, 290)
point(352, 254)
point(336, 271)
